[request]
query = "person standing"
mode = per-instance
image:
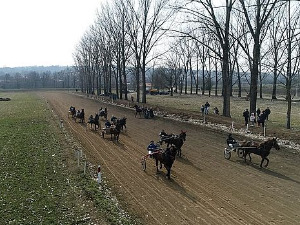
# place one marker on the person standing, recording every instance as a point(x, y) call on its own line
point(252, 119)
point(267, 113)
point(258, 113)
point(246, 116)
point(202, 110)
point(206, 108)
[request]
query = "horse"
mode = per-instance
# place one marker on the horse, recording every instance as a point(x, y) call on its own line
point(95, 121)
point(103, 113)
point(166, 157)
point(122, 122)
point(80, 116)
point(263, 149)
point(176, 140)
point(138, 110)
point(115, 131)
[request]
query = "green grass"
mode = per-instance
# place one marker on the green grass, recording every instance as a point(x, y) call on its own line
point(36, 186)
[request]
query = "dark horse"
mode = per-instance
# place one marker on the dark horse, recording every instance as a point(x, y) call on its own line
point(263, 149)
point(138, 110)
point(122, 122)
point(166, 157)
point(80, 116)
point(114, 131)
point(103, 113)
point(95, 121)
point(176, 140)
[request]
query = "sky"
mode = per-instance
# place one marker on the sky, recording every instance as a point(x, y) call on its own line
point(43, 32)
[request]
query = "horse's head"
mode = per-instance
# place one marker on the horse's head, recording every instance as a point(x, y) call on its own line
point(275, 143)
point(182, 135)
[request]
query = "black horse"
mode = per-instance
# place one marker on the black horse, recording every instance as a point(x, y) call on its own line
point(176, 140)
point(122, 122)
point(166, 157)
point(103, 113)
point(114, 131)
point(263, 149)
point(80, 116)
point(138, 110)
point(95, 121)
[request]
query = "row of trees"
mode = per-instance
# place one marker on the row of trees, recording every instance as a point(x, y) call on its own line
point(35, 78)
point(185, 39)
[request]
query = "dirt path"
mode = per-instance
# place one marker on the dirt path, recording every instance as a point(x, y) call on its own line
point(204, 187)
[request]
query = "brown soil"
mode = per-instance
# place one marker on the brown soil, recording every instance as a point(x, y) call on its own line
point(204, 187)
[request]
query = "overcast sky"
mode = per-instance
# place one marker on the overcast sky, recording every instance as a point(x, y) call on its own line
point(43, 32)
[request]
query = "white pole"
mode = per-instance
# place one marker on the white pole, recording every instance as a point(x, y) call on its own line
point(61, 123)
point(232, 126)
point(99, 175)
point(247, 127)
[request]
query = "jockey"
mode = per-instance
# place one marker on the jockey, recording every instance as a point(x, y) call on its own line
point(113, 119)
point(231, 141)
point(107, 124)
point(152, 148)
point(162, 134)
point(91, 118)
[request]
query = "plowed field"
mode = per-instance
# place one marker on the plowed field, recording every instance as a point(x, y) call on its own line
point(204, 187)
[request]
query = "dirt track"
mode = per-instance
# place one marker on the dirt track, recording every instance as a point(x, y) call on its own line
point(204, 187)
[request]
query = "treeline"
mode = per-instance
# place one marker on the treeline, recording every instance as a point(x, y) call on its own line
point(193, 44)
point(38, 77)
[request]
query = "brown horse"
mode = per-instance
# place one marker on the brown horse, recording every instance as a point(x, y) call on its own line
point(263, 149)
point(166, 157)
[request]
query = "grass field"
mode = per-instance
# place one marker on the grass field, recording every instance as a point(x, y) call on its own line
point(37, 184)
point(238, 105)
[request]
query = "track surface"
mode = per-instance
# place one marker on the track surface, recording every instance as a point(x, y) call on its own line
point(204, 187)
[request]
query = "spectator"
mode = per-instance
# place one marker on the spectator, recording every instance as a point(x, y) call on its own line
point(206, 108)
point(267, 113)
point(261, 119)
point(252, 119)
point(258, 113)
point(202, 110)
point(246, 116)
point(216, 110)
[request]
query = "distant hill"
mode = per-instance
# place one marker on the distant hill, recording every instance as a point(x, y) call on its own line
point(27, 69)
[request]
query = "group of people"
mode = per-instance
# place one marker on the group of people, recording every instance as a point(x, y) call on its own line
point(205, 108)
point(260, 117)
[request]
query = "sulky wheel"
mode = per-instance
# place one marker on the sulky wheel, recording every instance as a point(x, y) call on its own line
point(240, 153)
point(227, 154)
point(144, 164)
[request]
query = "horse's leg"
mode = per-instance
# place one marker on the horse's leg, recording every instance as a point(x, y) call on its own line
point(168, 172)
point(266, 163)
point(156, 163)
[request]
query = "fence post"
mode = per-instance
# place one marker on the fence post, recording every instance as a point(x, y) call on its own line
point(99, 175)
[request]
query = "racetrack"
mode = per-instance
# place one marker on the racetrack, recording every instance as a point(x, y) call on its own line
point(204, 188)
